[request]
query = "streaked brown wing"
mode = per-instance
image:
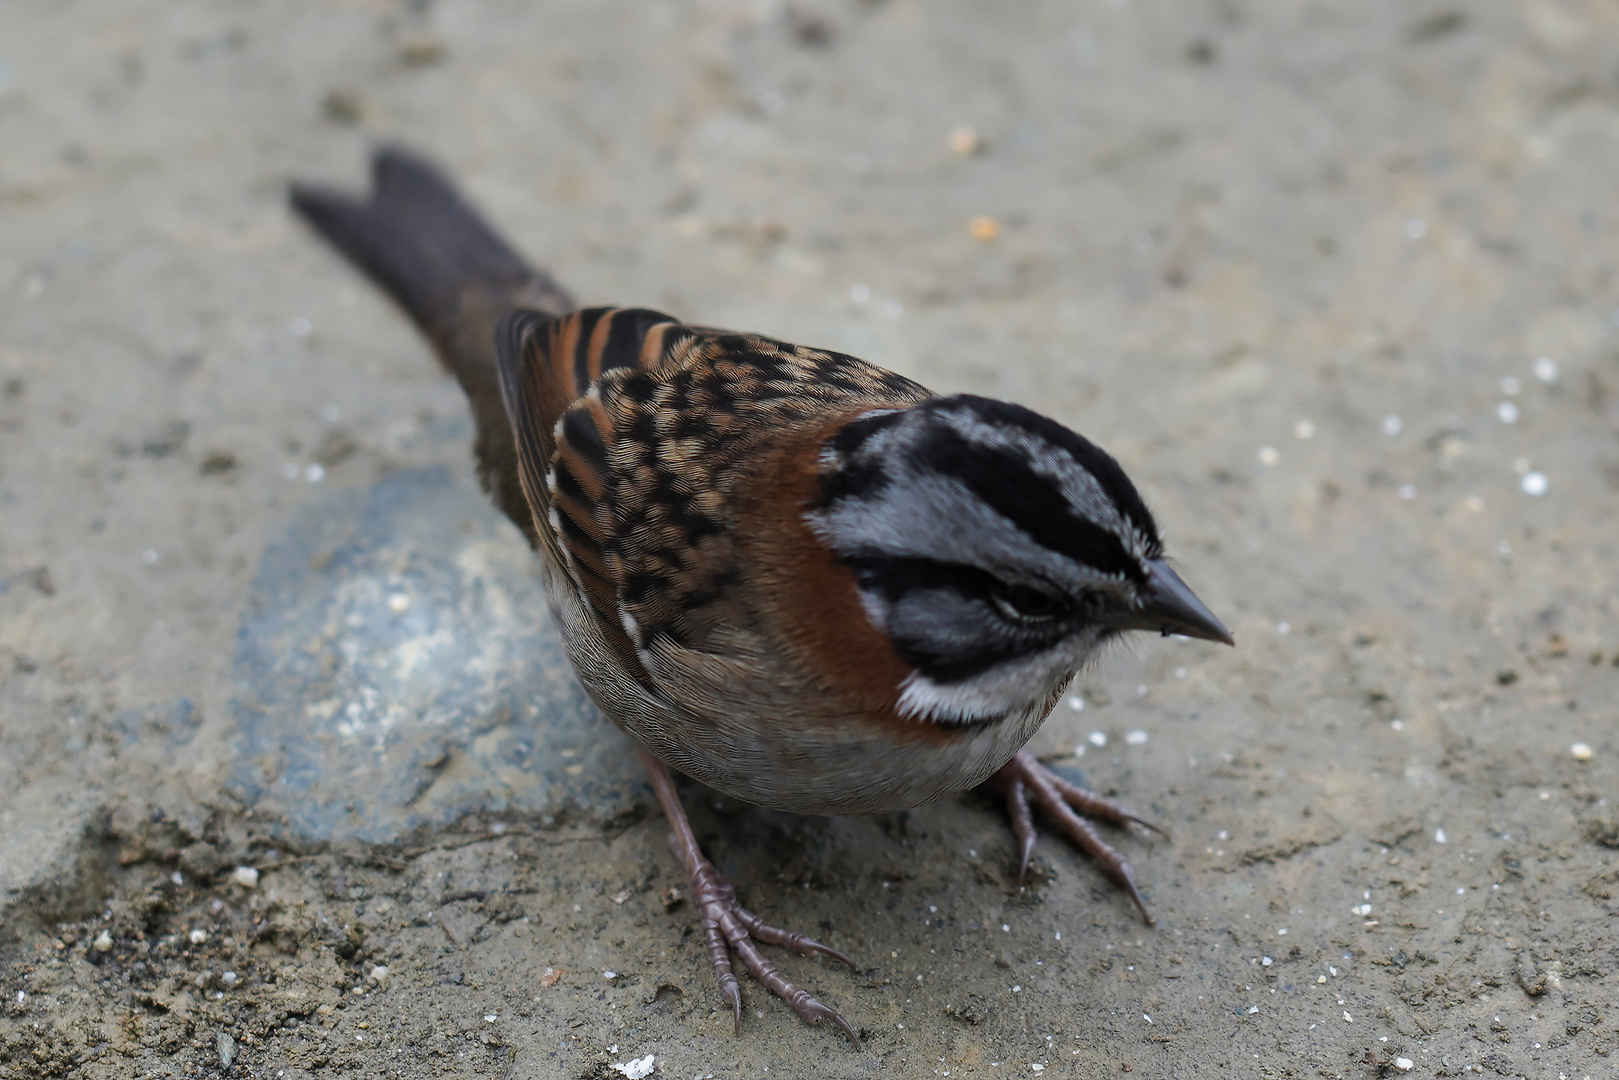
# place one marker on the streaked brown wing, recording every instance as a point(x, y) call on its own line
point(633, 432)
point(549, 368)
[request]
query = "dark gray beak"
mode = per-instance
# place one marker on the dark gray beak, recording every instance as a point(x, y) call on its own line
point(1169, 607)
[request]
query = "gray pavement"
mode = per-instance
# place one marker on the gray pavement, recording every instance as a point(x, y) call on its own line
point(1336, 282)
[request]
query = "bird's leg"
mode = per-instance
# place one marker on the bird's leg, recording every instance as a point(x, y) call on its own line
point(1024, 775)
point(728, 926)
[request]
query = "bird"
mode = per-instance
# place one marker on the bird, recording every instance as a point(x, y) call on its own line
point(800, 579)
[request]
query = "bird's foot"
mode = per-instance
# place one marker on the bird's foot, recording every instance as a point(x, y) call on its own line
point(1024, 776)
point(728, 927)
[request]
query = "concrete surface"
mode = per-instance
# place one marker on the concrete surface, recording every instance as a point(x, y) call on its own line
point(1297, 265)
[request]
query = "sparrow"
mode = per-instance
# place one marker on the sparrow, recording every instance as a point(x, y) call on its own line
point(805, 581)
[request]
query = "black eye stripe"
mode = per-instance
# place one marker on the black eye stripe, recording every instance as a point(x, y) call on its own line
point(940, 658)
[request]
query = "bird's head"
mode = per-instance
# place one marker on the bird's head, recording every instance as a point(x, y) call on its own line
point(996, 549)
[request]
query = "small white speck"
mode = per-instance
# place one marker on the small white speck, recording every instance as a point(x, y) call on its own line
point(1141, 689)
point(609, 974)
point(1461, 892)
point(1546, 370)
point(1005, 929)
point(1017, 989)
point(1416, 228)
point(1180, 673)
point(1252, 1009)
point(399, 603)
point(1408, 491)
point(1332, 971)
point(1545, 796)
point(330, 414)
point(1510, 386)
point(1097, 738)
point(1360, 909)
point(289, 470)
point(1507, 412)
point(149, 556)
point(490, 1018)
point(1534, 484)
point(860, 293)
point(1304, 430)
point(102, 943)
point(1059, 935)
point(1281, 931)
point(1076, 703)
point(300, 327)
point(1136, 738)
point(1284, 628)
point(1392, 425)
point(1147, 1018)
point(246, 876)
point(635, 1068)
point(315, 473)
point(1397, 725)
point(1439, 836)
point(1268, 455)
point(230, 978)
point(197, 936)
point(178, 878)
point(1581, 751)
point(1036, 1066)
point(1348, 1018)
point(22, 996)
point(1265, 961)
point(1404, 1064)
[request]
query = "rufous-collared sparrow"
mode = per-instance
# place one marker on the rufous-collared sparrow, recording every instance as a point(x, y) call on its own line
point(805, 581)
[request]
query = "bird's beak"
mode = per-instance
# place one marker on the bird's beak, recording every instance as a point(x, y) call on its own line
point(1168, 606)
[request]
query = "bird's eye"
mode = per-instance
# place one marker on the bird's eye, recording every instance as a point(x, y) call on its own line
point(1028, 604)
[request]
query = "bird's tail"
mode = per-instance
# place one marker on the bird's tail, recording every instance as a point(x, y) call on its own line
point(417, 239)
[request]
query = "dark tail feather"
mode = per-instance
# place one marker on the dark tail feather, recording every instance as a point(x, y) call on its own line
point(452, 274)
point(420, 241)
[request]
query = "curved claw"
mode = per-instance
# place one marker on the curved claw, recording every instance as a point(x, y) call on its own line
point(1057, 797)
point(775, 935)
point(729, 927)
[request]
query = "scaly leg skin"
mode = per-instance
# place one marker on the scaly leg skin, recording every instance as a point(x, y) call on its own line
point(728, 926)
point(1024, 775)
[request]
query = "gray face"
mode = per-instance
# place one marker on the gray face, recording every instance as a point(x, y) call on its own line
point(995, 548)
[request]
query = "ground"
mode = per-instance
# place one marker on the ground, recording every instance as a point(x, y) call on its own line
point(1336, 282)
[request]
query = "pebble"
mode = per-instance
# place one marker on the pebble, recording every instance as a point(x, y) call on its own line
point(1534, 484)
point(1404, 1064)
point(966, 142)
point(379, 973)
point(246, 876)
point(226, 1046)
point(197, 936)
point(1097, 738)
point(1136, 738)
point(103, 941)
point(1579, 751)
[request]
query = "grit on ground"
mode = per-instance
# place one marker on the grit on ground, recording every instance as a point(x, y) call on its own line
point(1336, 282)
